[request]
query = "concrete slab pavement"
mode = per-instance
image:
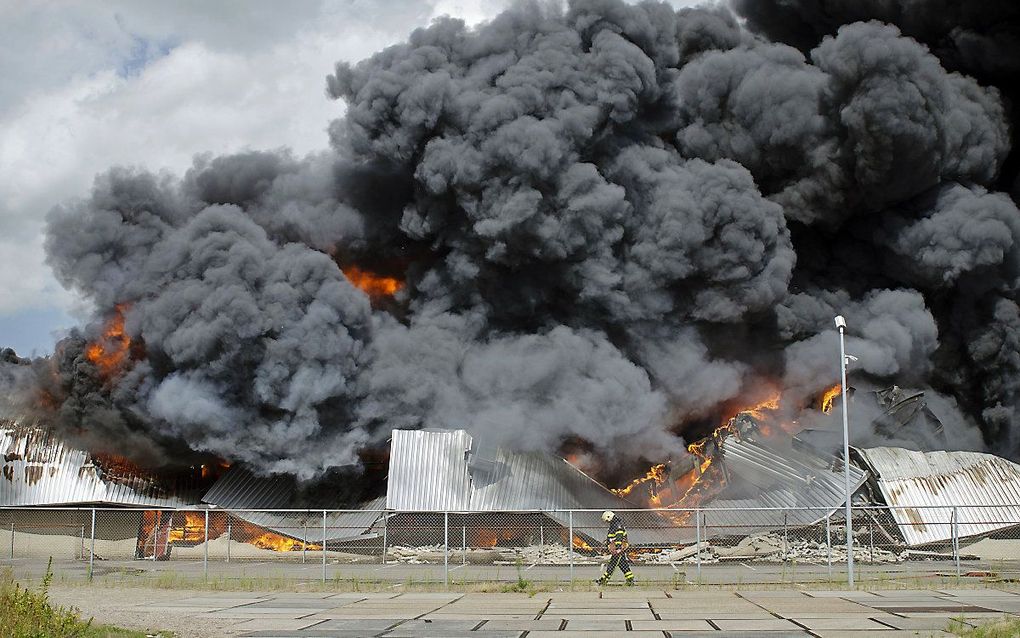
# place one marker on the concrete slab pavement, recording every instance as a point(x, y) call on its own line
point(660, 613)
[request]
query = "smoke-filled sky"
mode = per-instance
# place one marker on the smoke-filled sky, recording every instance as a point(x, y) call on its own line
point(90, 85)
point(609, 219)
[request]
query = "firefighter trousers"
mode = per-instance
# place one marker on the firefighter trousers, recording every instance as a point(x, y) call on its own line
point(619, 560)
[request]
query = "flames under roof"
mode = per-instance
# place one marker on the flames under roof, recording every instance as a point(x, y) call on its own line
point(241, 492)
point(447, 470)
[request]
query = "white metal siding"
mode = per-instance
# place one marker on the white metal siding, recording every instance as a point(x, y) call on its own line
point(922, 487)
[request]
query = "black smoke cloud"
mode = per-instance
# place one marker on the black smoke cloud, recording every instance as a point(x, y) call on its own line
point(610, 220)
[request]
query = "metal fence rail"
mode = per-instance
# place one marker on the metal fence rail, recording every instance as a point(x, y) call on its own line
point(567, 547)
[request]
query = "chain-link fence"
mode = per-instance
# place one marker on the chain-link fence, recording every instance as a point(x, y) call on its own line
point(895, 545)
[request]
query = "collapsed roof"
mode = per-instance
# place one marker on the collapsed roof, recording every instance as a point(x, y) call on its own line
point(922, 489)
point(39, 470)
point(244, 493)
point(809, 486)
point(447, 470)
point(435, 471)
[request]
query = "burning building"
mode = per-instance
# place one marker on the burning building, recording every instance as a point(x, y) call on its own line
point(601, 225)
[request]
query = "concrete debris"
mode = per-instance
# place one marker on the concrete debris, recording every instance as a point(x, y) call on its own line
point(769, 548)
point(762, 548)
point(534, 554)
point(555, 554)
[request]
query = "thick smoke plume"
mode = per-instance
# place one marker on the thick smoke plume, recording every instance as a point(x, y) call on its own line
point(608, 222)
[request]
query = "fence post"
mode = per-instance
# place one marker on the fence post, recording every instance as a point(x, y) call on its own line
point(570, 532)
point(205, 553)
point(323, 546)
point(81, 552)
point(786, 535)
point(956, 541)
point(304, 542)
point(385, 531)
point(828, 542)
point(871, 540)
point(158, 518)
point(446, 549)
point(697, 540)
point(12, 534)
point(92, 547)
point(205, 544)
point(230, 530)
point(463, 544)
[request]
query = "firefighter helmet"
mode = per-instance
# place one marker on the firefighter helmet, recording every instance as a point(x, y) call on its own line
point(608, 516)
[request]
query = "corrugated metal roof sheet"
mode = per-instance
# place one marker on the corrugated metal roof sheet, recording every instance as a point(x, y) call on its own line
point(242, 491)
point(307, 526)
point(39, 469)
point(806, 485)
point(918, 487)
point(510, 481)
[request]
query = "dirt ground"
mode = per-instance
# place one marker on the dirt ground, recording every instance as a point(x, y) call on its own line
point(119, 606)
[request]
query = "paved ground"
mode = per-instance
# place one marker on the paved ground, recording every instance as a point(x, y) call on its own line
point(616, 611)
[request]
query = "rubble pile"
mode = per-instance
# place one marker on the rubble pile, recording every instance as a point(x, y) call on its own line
point(415, 555)
point(434, 554)
point(543, 555)
point(768, 548)
point(761, 548)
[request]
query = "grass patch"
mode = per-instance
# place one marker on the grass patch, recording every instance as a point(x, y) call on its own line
point(1006, 628)
point(28, 613)
point(522, 585)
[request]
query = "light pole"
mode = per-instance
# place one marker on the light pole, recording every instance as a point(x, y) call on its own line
point(843, 359)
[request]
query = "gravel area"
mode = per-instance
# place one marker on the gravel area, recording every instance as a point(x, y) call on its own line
point(120, 606)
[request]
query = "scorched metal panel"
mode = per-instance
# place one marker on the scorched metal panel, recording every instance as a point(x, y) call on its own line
point(39, 469)
point(921, 489)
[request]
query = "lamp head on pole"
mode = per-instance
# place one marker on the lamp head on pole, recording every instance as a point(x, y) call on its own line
point(840, 322)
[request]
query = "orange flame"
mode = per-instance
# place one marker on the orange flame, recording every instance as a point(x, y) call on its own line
point(373, 285)
point(829, 398)
point(278, 543)
point(705, 479)
point(111, 349)
point(486, 538)
point(581, 545)
point(656, 473)
point(758, 410)
point(189, 528)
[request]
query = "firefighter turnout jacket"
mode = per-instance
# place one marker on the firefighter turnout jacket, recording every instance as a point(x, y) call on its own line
point(616, 543)
point(616, 537)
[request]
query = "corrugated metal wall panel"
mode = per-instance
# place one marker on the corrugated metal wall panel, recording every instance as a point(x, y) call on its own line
point(38, 469)
point(921, 487)
point(429, 470)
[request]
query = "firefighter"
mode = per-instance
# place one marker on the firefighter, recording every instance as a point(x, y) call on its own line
point(616, 543)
